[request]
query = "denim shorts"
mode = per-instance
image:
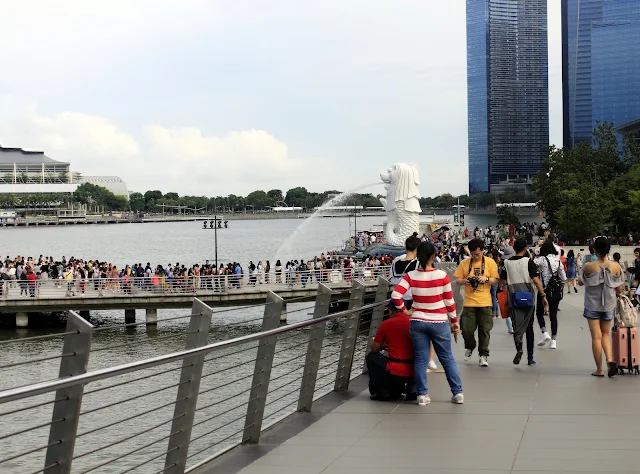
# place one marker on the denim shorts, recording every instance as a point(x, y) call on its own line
point(599, 315)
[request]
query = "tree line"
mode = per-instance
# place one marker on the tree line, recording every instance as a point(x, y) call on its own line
point(594, 188)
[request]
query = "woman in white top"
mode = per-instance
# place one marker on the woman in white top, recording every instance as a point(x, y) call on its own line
point(548, 263)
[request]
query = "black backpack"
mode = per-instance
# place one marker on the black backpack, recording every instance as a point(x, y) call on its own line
point(555, 287)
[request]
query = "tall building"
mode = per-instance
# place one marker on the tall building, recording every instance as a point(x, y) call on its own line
point(507, 93)
point(600, 65)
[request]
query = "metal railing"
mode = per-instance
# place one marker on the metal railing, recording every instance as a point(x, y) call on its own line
point(177, 411)
point(194, 285)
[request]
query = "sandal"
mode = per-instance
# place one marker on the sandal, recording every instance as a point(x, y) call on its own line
point(613, 368)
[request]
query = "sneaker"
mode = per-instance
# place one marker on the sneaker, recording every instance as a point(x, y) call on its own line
point(552, 344)
point(423, 400)
point(467, 354)
point(531, 362)
point(432, 365)
point(517, 358)
point(575, 289)
point(458, 399)
point(483, 361)
point(544, 339)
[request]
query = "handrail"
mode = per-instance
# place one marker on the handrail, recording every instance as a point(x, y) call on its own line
point(101, 374)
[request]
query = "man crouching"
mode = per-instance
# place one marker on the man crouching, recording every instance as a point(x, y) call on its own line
point(391, 376)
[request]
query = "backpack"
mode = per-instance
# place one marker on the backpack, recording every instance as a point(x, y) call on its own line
point(555, 287)
point(626, 314)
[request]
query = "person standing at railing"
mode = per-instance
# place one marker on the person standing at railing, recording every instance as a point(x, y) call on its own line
point(31, 282)
point(433, 319)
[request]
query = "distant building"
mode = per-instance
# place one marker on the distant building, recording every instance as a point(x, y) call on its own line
point(632, 128)
point(32, 172)
point(113, 183)
point(600, 65)
point(507, 92)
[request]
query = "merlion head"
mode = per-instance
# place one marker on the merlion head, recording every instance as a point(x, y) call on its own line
point(401, 182)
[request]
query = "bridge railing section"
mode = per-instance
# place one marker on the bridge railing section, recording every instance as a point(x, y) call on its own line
point(178, 410)
point(190, 285)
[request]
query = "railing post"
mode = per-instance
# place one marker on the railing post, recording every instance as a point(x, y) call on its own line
point(60, 455)
point(349, 337)
point(187, 397)
point(316, 336)
point(262, 372)
point(382, 294)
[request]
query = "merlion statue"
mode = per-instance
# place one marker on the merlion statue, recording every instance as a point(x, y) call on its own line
point(402, 203)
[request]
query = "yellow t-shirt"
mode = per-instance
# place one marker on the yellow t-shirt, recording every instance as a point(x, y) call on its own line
point(481, 297)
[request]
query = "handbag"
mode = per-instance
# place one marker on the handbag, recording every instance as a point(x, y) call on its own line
point(503, 302)
point(522, 299)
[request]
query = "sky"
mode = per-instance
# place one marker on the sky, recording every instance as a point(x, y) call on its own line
point(213, 97)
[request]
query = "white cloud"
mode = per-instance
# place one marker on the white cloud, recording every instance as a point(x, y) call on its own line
point(182, 159)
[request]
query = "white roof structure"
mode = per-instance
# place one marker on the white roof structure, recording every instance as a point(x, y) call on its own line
point(114, 184)
point(39, 188)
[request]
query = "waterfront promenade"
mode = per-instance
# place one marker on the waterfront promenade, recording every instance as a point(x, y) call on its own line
point(550, 418)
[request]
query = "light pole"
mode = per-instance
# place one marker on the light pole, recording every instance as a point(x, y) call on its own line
point(355, 226)
point(215, 236)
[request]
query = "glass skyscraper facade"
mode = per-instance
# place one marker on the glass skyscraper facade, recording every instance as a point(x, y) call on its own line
point(507, 92)
point(600, 65)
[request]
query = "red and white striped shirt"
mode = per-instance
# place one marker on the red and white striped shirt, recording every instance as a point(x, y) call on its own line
point(432, 296)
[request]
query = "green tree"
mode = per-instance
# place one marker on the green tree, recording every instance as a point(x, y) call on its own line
point(585, 210)
point(297, 196)
point(257, 199)
point(136, 202)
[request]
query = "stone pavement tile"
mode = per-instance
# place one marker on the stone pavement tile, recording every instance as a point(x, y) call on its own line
point(419, 470)
point(264, 469)
point(586, 444)
point(335, 440)
point(581, 465)
point(551, 454)
point(305, 456)
point(427, 434)
point(361, 406)
point(458, 461)
point(584, 406)
point(452, 447)
point(506, 442)
point(556, 471)
point(593, 422)
point(347, 424)
point(511, 407)
point(575, 431)
point(446, 423)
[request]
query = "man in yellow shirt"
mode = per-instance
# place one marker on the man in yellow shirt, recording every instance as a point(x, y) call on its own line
point(477, 274)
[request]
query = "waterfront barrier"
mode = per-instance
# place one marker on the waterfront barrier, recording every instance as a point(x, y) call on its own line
point(177, 411)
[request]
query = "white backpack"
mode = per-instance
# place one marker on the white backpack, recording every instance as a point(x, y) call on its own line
point(626, 314)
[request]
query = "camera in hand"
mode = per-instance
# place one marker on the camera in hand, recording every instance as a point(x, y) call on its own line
point(474, 282)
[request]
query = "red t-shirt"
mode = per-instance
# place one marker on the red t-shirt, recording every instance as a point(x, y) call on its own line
point(394, 333)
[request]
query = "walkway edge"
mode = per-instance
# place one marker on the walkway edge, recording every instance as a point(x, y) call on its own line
point(241, 456)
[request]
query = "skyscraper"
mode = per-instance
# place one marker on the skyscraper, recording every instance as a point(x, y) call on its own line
point(600, 65)
point(507, 93)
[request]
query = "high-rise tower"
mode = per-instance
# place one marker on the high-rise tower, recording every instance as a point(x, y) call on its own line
point(508, 93)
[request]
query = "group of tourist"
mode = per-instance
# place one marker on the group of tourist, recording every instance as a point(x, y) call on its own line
point(77, 274)
point(531, 280)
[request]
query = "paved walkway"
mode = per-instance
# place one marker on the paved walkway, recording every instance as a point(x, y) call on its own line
point(550, 418)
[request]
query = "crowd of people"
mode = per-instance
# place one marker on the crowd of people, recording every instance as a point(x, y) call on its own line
point(506, 277)
point(78, 274)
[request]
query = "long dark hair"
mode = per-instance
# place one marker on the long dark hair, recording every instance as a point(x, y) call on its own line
point(426, 250)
